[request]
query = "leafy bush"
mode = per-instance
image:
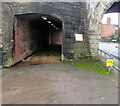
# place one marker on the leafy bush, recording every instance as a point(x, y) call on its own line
point(109, 38)
point(114, 37)
point(104, 38)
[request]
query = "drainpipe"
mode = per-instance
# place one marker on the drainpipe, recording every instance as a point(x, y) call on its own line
point(1, 55)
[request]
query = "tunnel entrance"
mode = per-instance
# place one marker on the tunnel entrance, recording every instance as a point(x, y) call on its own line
point(37, 39)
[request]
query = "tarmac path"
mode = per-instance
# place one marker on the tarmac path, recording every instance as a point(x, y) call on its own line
point(58, 83)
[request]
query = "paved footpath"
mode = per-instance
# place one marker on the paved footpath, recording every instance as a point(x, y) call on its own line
point(58, 83)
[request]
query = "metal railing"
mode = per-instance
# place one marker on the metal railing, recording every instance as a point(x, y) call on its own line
point(105, 55)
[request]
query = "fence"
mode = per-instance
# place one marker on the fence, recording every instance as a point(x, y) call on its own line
point(104, 55)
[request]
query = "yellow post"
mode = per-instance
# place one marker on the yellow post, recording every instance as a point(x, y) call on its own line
point(109, 63)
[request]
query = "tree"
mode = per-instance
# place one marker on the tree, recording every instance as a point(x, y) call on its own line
point(104, 38)
point(114, 36)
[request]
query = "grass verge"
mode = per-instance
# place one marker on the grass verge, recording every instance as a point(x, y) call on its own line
point(92, 65)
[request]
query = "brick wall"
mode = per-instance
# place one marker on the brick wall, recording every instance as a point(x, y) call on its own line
point(106, 30)
point(73, 15)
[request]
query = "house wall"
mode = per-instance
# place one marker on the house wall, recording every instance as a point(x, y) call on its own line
point(106, 30)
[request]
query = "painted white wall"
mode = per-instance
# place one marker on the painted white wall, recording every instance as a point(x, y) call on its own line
point(113, 16)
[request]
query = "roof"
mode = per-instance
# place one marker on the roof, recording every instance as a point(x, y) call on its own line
point(114, 8)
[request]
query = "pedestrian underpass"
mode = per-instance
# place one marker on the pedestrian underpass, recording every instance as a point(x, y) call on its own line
point(78, 18)
point(37, 39)
point(34, 20)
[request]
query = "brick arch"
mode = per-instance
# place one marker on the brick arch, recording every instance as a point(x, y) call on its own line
point(72, 14)
point(94, 23)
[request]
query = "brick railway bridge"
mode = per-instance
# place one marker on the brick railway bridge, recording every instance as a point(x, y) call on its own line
point(31, 26)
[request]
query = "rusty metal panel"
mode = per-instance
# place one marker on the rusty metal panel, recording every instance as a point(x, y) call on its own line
point(20, 40)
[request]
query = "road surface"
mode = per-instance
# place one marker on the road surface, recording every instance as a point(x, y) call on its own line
point(58, 83)
point(113, 49)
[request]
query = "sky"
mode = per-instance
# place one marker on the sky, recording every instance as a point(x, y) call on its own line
point(113, 16)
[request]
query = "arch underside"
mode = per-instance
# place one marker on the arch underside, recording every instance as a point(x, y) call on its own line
point(37, 33)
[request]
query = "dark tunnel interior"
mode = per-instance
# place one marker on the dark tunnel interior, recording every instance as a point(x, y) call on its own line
point(39, 36)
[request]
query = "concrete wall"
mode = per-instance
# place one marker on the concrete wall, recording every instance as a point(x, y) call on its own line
point(73, 15)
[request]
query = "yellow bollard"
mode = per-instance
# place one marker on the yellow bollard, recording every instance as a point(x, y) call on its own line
point(109, 63)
